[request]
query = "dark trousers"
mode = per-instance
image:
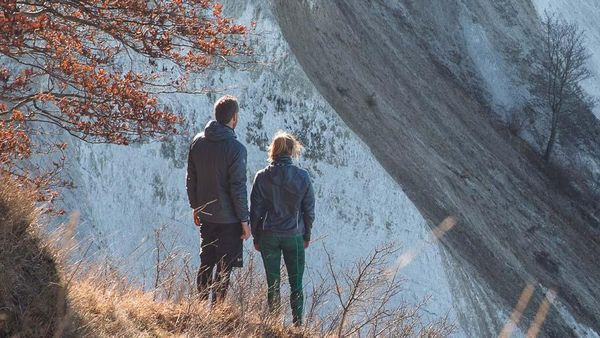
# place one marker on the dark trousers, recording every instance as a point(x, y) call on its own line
point(292, 248)
point(213, 282)
point(221, 251)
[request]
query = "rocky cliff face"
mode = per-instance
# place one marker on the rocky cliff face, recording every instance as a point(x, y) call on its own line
point(397, 103)
point(420, 82)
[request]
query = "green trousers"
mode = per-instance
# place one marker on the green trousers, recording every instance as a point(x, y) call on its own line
point(271, 248)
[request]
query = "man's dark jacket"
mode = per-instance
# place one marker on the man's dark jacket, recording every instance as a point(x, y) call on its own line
point(216, 175)
point(282, 201)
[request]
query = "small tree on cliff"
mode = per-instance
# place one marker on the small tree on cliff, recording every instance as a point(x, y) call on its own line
point(564, 67)
point(94, 67)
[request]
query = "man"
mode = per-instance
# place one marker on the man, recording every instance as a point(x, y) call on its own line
point(216, 187)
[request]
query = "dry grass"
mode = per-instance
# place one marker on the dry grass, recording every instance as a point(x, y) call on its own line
point(110, 306)
point(42, 294)
point(31, 293)
point(119, 311)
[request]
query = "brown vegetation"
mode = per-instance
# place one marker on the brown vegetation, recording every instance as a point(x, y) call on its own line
point(95, 70)
point(42, 293)
point(31, 293)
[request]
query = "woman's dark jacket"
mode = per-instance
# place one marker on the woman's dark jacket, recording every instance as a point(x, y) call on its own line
point(282, 201)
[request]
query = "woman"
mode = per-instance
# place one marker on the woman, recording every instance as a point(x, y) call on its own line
point(282, 211)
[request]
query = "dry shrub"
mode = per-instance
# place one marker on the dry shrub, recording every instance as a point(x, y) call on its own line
point(109, 306)
point(367, 294)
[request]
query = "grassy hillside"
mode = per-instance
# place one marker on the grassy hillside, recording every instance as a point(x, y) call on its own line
point(32, 293)
point(41, 296)
point(44, 294)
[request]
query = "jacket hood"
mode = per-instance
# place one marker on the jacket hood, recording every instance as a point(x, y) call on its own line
point(278, 176)
point(215, 131)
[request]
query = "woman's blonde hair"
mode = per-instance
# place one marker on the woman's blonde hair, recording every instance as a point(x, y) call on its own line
point(284, 144)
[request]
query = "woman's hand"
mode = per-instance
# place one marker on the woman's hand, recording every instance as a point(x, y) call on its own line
point(256, 247)
point(306, 244)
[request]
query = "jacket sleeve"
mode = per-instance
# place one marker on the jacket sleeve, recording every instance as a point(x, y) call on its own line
point(257, 208)
point(237, 183)
point(308, 210)
point(191, 181)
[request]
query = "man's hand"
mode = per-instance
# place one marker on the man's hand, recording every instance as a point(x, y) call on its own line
point(306, 244)
point(196, 214)
point(245, 231)
point(256, 246)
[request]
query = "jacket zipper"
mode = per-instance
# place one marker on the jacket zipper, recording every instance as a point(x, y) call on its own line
point(297, 216)
point(265, 220)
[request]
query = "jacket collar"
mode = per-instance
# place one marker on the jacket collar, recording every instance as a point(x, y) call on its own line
point(282, 160)
point(217, 131)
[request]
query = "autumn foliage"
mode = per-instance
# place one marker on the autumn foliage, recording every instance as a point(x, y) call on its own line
point(94, 68)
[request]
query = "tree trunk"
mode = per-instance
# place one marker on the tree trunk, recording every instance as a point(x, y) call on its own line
point(553, 132)
point(550, 144)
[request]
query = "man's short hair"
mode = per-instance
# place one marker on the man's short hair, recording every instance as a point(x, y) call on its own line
point(225, 108)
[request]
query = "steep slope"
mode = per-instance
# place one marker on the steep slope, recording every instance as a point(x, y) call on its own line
point(32, 288)
point(579, 145)
point(408, 78)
